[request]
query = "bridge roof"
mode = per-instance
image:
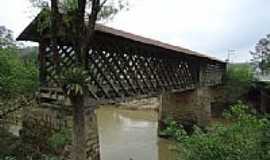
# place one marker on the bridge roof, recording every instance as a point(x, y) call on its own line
point(30, 33)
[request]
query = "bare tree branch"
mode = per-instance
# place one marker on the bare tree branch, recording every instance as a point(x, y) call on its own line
point(102, 4)
point(94, 13)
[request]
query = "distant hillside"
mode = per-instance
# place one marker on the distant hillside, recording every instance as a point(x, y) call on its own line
point(29, 54)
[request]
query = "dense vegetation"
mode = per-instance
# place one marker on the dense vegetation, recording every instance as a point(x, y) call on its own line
point(18, 82)
point(34, 145)
point(17, 77)
point(245, 137)
point(238, 81)
point(18, 73)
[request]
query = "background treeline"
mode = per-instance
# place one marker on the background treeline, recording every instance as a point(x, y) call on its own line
point(18, 67)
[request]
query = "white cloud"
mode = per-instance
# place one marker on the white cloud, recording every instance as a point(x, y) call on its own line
point(15, 14)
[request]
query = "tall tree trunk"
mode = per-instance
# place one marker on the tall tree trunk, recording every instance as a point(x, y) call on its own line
point(79, 139)
point(54, 31)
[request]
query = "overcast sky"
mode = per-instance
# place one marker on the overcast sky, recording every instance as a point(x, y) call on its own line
point(208, 26)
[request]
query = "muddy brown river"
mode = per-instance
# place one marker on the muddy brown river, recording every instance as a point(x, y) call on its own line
point(131, 135)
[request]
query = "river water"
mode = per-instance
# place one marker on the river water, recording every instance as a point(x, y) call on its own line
point(131, 135)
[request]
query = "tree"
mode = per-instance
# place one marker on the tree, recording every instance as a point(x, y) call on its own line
point(261, 55)
point(75, 12)
point(6, 38)
point(72, 14)
point(16, 77)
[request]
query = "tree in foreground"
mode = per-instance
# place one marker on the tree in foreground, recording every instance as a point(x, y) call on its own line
point(79, 17)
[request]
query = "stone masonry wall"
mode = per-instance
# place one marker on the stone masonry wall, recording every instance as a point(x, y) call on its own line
point(187, 108)
point(92, 139)
point(52, 120)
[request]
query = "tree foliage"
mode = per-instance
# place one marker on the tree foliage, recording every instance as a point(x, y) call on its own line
point(75, 81)
point(6, 38)
point(261, 55)
point(79, 18)
point(108, 9)
point(18, 79)
point(245, 138)
point(17, 75)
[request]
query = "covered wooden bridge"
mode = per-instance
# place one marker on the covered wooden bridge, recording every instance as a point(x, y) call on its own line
point(123, 65)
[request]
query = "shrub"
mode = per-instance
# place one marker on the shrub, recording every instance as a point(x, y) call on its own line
point(246, 138)
point(173, 130)
point(34, 146)
point(16, 77)
point(60, 139)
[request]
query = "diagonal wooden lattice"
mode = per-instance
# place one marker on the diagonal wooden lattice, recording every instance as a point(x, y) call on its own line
point(128, 70)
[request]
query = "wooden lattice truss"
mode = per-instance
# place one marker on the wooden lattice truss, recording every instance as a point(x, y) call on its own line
point(123, 65)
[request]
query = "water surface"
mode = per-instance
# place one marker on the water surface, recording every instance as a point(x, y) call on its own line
point(131, 134)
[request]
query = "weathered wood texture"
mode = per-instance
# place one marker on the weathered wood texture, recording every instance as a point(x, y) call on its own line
point(121, 68)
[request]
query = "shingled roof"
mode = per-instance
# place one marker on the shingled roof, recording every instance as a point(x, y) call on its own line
point(30, 33)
